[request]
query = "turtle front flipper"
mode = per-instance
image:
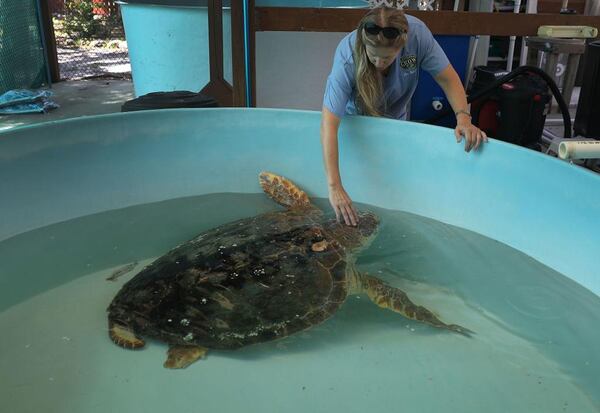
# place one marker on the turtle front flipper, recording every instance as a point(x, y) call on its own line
point(283, 191)
point(396, 300)
point(179, 357)
point(124, 336)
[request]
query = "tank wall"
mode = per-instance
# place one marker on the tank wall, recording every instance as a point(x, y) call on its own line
point(540, 205)
point(168, 47)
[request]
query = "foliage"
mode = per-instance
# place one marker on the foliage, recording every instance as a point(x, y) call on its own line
point(80, 22)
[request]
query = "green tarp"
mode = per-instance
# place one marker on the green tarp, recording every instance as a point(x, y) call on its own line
point(22, 63)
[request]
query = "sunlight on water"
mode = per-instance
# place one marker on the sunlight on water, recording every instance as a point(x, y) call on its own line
point(535, 347)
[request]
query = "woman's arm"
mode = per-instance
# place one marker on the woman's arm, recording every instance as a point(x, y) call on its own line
point(339, 199)
point(453, 88)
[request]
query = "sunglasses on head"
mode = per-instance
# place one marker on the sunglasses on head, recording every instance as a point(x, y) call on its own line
point(388, 32)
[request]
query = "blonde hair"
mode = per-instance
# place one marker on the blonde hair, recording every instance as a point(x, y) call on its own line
point(369, 83)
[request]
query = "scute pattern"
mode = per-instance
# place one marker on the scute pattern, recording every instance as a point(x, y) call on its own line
point(245, 282)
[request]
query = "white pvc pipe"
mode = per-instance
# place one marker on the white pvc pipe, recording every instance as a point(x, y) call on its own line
point(531, 8)
point(556, 122)
point(456, 4)
point(511, 53)
point(592, 8)
point(511, 45)
point(589, 149)
point(471, 61)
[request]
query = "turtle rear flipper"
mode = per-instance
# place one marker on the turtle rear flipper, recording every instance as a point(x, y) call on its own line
point(179, 357)
point(124, 336)
point(283, 191)
point(397, 300)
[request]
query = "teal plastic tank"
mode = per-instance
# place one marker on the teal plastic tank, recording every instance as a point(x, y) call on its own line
point(407, 166)
point(168, 45)
point(503, 241)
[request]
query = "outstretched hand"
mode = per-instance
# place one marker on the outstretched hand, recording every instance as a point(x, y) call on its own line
point(474, 136)
point(342, 205)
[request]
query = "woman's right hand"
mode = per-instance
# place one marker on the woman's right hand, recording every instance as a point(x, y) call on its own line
point(342, 205)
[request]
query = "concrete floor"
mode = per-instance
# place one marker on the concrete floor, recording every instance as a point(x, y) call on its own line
point(96, 97)
point(78, 98)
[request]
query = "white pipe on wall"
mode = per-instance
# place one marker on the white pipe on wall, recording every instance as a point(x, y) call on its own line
point(471, 61)
point(531, 9)
point(511, 45)
point(589, 149)
point(482, 50)
point(592, 8)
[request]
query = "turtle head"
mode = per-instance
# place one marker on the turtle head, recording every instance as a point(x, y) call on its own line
point(357, 237)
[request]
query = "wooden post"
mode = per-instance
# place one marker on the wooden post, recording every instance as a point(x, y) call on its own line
point(48, 33)
point(225, 93)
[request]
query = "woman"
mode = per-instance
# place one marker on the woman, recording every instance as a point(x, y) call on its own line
point(375, 73)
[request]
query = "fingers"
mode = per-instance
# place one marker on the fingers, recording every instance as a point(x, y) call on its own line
point(343, 208)
point(480, 137)
point(469, 139)
point(458, 135)
point(474, 137)
point(478, 140)
point(352, 214)
point(349, 214)
point(346, 215)
point(337, 211)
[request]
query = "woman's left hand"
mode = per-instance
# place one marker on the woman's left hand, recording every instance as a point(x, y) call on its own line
point(472, 134)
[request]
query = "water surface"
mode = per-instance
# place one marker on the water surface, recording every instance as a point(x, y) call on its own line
point(535, 348)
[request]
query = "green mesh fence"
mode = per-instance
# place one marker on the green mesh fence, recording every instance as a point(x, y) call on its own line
point(22, 63)
point(90, 40)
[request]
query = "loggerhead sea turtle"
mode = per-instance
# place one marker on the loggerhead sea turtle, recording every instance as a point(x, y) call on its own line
point(253, 280)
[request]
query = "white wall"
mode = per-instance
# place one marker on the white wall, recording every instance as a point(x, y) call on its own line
point(481, 55)
point(292, 68)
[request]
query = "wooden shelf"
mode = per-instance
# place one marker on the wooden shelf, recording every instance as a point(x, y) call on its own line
point(439, 22)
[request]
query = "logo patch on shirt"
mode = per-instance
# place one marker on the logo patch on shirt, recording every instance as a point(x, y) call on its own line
point(408, 62)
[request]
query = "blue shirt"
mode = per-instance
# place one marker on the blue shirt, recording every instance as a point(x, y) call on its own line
point(421, 51)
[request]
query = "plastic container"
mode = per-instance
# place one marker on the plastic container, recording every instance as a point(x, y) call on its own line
point(589, 149)
point(587, 118)
point(428, 91)
point(168, 44)
point(169, 100)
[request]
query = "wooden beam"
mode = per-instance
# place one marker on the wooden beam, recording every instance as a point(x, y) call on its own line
point(237, 50)
point(50, 40)
point(220, 90)
point(215, 38)
point(441, 22)
point(252, 41)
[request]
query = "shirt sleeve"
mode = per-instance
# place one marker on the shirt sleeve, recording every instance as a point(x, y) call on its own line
point(432, 57)
point(340, 82)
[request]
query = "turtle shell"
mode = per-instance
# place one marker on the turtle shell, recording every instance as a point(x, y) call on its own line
point(245, 282)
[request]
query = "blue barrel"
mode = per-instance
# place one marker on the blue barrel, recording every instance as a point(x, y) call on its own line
point(428, 91)
point(168, 44)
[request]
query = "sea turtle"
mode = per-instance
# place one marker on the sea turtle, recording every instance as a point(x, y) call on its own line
point(253, 280)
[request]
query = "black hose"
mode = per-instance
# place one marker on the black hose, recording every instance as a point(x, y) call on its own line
point(508, 77)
